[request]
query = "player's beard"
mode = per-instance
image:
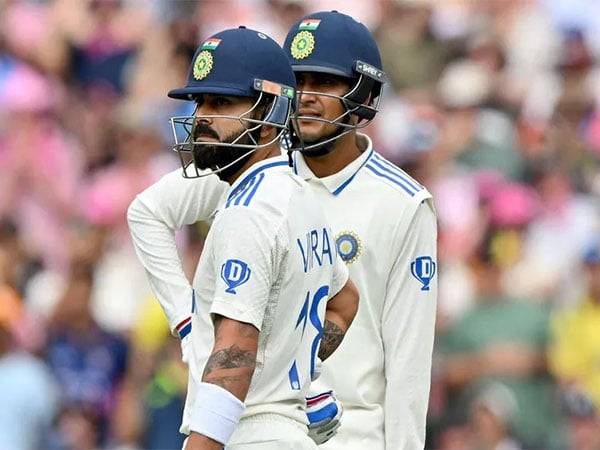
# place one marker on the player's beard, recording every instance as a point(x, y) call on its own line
point(215, 157)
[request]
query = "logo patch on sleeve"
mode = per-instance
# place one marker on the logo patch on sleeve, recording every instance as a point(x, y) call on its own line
point(234, 273)
point(423, 269)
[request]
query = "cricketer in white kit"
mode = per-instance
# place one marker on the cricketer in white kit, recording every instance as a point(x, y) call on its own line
point(385, 230)
point(269, 260)
point(381, 371)
point(272, 296)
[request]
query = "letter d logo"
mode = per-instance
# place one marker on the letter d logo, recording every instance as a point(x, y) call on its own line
point(234, 273)
point(423, 269)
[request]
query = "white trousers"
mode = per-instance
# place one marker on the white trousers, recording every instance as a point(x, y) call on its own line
point(269, 432)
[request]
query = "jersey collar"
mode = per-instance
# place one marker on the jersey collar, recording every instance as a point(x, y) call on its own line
point(279, 163)
point(337, 182)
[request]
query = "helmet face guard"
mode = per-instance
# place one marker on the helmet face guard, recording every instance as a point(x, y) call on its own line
point(369, 82)
point(279, 100)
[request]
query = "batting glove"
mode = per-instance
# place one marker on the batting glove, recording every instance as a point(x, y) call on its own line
point(324, 412)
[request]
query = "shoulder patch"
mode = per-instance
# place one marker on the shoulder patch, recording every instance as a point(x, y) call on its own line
point(243, 196)
point(234, 273)
point(423, 269)
point(385, 170)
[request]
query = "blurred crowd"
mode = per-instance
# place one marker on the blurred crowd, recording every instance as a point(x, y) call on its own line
point(494, 105)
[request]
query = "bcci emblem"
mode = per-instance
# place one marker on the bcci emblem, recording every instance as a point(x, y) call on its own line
point(423, 269)
point(349, 246)
point(203, 65)
point(234, 273)
point(303, 45)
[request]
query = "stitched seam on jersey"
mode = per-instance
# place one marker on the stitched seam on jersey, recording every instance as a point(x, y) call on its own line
point(399, 172)
point(240, 193)
point(393, 180)
point(395, 175)
point(273, 303)
point(246, 189)
point(261, 176)
point(254, 173)
point(347, 182)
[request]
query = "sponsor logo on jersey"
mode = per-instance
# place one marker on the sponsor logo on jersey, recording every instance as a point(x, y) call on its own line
point(423, 269)
point(349, 246)
point(234, 273)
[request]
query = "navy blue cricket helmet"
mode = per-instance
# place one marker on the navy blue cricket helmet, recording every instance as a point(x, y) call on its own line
point(237, 62)
point(335, 43)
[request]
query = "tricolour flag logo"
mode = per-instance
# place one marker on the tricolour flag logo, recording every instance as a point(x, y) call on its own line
point(309, 24)
point(211, 44)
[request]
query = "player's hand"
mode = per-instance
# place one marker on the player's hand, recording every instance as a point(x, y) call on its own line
point(324, 412)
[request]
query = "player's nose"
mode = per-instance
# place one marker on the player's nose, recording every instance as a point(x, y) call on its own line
point(306, 98)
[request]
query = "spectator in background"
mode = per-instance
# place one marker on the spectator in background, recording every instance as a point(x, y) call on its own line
point(121, 284)
point(566, 221)
point(87, 362)
point(77, 428)
point(477, 133)
point(164, 399)
point(40, 165)
point(583, 422)
point(501, 339)
point(412, 56)
point(26, 388)
point(574, 353)
point(493, 413)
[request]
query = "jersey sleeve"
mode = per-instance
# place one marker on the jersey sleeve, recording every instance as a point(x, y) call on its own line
point(153, 217)
point(408, 330)
point(245, 262)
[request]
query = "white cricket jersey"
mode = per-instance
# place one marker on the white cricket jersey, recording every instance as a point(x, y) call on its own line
point(385, 228)
point(269, 260)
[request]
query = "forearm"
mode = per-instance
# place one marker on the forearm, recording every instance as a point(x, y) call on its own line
point(333, 335)
point(340, 312)
point(233, 359)
point(231, 367)
point(198, 441)
point(225, 384)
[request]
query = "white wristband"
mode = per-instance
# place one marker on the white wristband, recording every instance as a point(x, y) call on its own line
point(216, 412)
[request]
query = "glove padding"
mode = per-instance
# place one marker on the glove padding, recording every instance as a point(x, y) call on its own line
point(324, 412)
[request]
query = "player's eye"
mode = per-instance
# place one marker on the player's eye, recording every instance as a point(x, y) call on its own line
point(328, 81)
point(300, 81)
point(199, 99)
point(221, 101)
